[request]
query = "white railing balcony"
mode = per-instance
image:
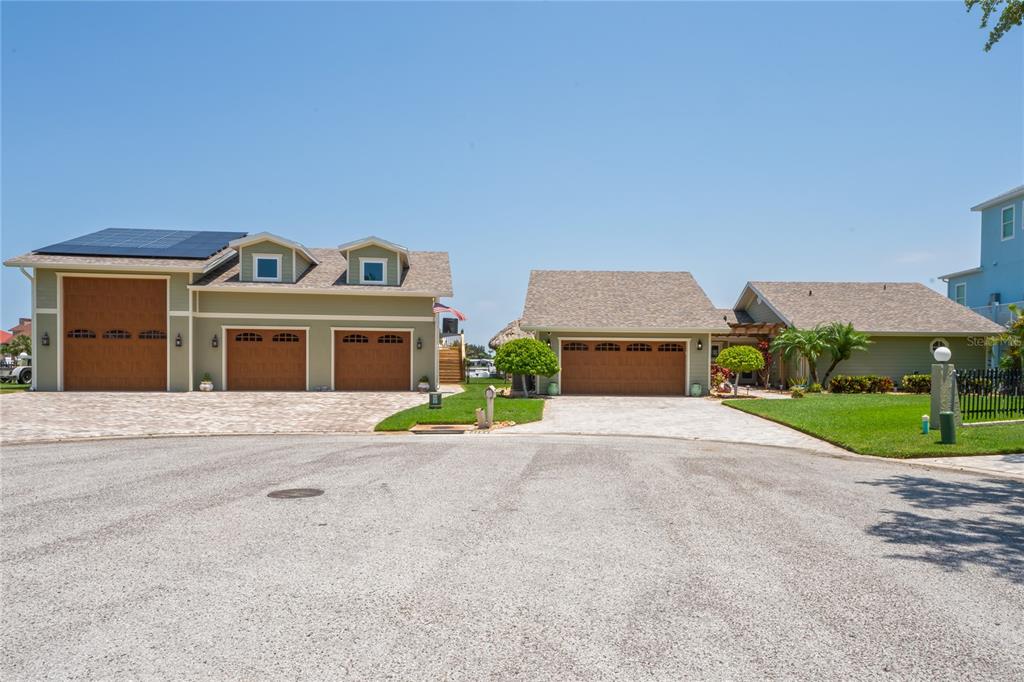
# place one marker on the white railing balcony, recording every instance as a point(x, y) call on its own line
point(998, 312)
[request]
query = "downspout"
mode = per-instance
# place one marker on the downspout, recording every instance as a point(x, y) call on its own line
point(35, 367)
point(437, 348)
point(191, 339)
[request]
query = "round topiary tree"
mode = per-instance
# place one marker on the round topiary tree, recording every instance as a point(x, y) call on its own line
point(740, 359)
point(526, 357)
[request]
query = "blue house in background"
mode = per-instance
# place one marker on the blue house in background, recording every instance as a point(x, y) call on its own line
point(999, 280)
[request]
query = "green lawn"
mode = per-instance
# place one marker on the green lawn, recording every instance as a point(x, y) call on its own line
point(459, 409)
point(884, 425)
point(14, 388)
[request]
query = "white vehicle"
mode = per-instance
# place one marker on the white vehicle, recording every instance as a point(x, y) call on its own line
point(481, 368)
point(16, 370)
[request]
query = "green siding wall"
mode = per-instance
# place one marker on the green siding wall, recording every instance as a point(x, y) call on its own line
point(245, 260)
point(320, 340)
point(894, 356)
point(314, 304)
point(301, 265)
point(697, 359)
point(355, 268)
point(761, 312)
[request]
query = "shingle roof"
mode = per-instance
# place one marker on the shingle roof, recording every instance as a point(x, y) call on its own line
point(875, 307)
point(429, 273)
point(589, 299)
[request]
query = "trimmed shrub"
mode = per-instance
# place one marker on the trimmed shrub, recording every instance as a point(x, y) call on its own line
point(526, 357)
point(814, 388)
point(917, 383)
point(867, 383)
point(796, 392)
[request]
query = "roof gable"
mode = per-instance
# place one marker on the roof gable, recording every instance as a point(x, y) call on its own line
point(252, 239)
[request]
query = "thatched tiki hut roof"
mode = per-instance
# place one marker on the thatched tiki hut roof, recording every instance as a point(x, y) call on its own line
point(508, 333)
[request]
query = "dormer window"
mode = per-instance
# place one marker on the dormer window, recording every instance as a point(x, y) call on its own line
point(266, 267)
point(373, 270)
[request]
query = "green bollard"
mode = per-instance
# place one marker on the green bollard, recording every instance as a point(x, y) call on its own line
point(947, 427)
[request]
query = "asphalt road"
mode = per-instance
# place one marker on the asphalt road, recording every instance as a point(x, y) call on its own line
point(497, 556)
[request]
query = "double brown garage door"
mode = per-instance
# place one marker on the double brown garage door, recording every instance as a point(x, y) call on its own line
point(623, 367)
point(275, 360)
point(114, 334)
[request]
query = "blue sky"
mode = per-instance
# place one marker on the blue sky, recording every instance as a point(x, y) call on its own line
point(737, 141)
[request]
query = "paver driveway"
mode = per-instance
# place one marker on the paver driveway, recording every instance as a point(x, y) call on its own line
point(691, 418)
point(30, 417)
point(480, 557)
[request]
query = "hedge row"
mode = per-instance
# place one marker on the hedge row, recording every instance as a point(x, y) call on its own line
point(917, 383)
point(868, 383)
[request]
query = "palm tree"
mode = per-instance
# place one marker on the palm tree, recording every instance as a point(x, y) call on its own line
point(841, 340)
point(806, 343)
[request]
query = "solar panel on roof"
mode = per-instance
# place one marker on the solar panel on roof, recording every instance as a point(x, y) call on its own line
point(143, 243)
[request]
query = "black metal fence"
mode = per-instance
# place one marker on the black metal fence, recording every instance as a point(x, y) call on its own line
point(991, 394)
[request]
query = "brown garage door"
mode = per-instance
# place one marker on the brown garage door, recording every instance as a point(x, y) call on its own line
point(266, 359)
point(619, 367)
point(371, 361)
point(114, 334)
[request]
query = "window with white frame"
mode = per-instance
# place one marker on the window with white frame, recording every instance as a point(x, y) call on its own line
point(266, 267)
point(1007, 220)
point(960, 293)
point(373, 270)
point(938, 343)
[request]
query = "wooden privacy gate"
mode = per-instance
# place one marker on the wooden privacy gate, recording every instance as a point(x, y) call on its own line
point(623, 367)
point(114, 334)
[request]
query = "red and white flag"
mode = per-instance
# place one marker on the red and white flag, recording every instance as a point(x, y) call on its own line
point(441, 308)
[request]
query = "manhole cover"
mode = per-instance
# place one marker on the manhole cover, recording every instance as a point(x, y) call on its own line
point(293, 493)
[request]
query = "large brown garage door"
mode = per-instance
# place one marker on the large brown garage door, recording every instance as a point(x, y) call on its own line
point(620, 367)
point(372, 361)
point(114, 334)
point(266, 359)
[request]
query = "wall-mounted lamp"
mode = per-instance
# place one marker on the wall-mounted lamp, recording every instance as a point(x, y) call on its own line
point(45, 340)
point(177, 341)
point(419, 343)
point(700, 344)
point(214, 342)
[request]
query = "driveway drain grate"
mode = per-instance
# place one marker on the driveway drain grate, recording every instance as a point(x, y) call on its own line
point(294, 493)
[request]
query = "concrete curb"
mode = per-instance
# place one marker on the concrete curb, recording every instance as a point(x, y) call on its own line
point(835, 453)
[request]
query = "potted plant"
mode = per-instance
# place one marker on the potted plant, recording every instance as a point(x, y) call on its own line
point(424, 385)
point(206, 385)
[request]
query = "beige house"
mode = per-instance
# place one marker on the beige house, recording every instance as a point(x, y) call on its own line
point(625, 333)
point(159, 309)
point(906, 322)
